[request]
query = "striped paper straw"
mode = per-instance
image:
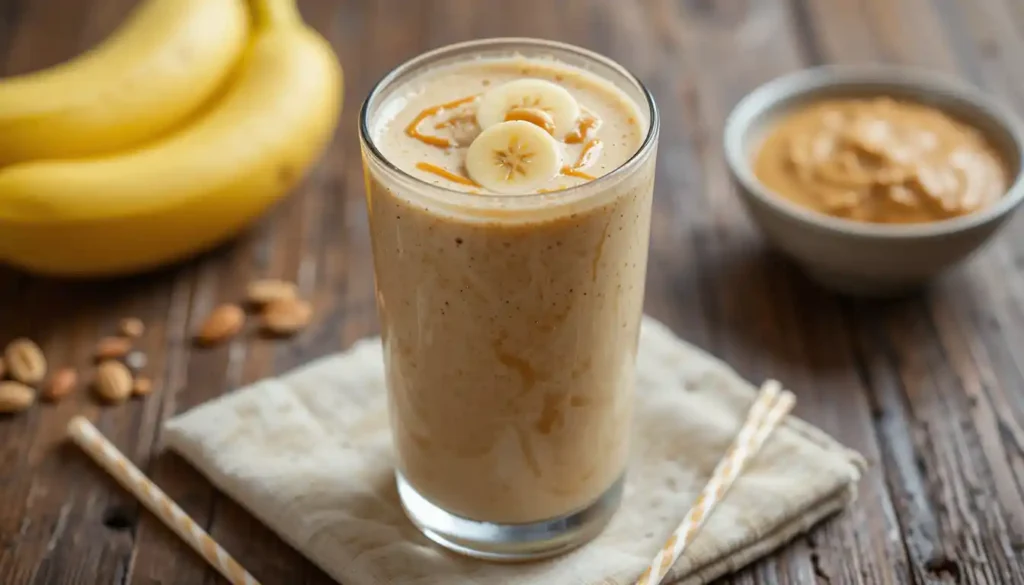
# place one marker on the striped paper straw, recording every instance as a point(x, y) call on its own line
point(770, 407)
point(85, 435)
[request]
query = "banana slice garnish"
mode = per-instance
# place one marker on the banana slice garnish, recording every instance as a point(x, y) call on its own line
point(513, 157)
point(556, 103)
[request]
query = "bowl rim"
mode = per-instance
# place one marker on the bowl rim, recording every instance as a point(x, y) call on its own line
point(806, 83)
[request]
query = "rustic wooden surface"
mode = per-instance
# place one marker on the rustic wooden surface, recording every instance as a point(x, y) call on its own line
point(930, 389)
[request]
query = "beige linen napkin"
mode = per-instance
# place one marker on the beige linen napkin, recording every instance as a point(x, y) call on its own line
point(309, 454)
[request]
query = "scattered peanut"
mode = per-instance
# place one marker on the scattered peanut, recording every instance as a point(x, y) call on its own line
point(286, 317)
point(262, 292)
point(113, 382)
point(15, 397)
point(223, 323)
point(132, 327)
point(112, 348)
point(142, 387)
point(25, 361)
point(282, 313)
point(62, 383)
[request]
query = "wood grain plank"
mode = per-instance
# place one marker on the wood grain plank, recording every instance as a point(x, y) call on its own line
point(763, 317)
point(986, 366)
point(69, 505)
point(10, 21)
point(288, 247)
point(676, 288)
point(918, 519)
point(996, 417)
point(47, 33)
point(837, 33)
point(943, 461)
point(929, 389)
point(190, 379)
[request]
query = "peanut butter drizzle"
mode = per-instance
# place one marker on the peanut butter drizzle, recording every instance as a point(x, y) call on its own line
point(590, 152)
point(571, 172)
point(413, 129)
point(445, 173)
point(587, 126)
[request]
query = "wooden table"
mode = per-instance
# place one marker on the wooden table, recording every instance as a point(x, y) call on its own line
point(930, 389)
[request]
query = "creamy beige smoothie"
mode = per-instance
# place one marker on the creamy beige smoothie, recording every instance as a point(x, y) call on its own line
point(509, 285)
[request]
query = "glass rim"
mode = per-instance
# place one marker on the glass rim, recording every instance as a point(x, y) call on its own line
point(650, 139)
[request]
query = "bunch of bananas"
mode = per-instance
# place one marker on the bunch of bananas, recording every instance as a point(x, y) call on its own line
point(166, 139)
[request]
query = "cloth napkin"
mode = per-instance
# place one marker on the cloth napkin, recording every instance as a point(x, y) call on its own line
point(309, 454)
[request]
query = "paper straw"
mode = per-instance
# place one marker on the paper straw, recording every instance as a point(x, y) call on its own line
point(85, 435)
point(770, 407)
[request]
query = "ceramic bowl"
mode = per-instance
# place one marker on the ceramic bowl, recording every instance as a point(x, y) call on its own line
point(859, 258)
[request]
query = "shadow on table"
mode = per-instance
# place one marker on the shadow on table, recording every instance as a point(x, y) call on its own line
point(42, 306)
point(764, 305)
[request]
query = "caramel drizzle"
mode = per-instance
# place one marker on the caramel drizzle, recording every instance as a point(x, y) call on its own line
point(413, 129)
point(587, 157)
point(586, 127)
point(571, 172)
point(445, 173)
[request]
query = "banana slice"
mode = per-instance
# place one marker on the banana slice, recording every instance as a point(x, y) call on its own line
point(536, 94)
point(513, 157)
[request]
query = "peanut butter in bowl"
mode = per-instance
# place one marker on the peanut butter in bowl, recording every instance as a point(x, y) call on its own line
point(880, 160)
point(874, 178)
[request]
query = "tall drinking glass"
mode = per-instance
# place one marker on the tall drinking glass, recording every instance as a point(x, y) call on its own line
point(510, 327)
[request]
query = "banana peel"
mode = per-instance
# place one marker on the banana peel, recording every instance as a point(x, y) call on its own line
point(199, 186)
point(158, 68)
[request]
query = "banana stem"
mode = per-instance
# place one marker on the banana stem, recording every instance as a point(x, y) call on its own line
point(275, 12)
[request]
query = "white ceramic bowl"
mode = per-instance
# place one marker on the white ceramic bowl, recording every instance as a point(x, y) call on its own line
point(860, 258)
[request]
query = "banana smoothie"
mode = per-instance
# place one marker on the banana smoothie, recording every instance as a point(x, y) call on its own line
point(509, 200)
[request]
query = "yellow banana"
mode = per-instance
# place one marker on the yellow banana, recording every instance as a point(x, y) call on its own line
point(193, 189)
point(165, 61)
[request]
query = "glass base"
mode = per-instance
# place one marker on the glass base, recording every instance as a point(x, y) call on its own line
point(509, 542)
